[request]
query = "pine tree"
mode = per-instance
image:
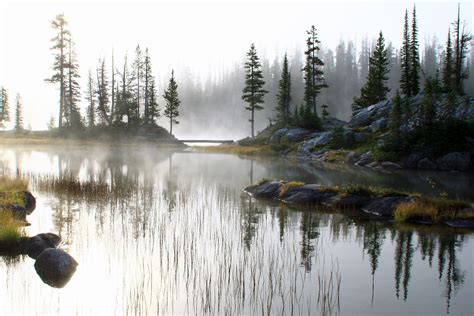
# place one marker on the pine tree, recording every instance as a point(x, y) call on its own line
point(153, 111)
point(59, 48)
point(148, 78)
point(102, 94)
point(18, 114)
point(172, 102)
point(4, 106)
point(396, 116)
point(462, 40)
point(90, 97)
point(324, 113)
point(414, 57)
point(72, 90)
point(375, 89)
point(253, 92)
point(448, 65)
point(137, 75)
point(405, 59)
point(313, 74)
point(284, 93)
point(428, 106)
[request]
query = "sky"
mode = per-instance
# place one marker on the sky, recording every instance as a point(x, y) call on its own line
point(204, 37)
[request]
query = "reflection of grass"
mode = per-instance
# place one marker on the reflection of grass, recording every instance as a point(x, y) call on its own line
point(12, 184)
point(434, 209)
point(92, 190)
point(12, 197)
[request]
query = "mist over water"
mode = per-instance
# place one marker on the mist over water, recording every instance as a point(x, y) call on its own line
point(166, 232)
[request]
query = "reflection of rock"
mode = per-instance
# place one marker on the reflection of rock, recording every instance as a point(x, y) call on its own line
point(55, 267)
point(34, 246)
point(30, 202)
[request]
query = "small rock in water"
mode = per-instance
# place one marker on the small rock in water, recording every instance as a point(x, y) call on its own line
point(55, 267)
point(267, 190)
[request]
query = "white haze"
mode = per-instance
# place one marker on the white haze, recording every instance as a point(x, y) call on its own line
point(205, 38)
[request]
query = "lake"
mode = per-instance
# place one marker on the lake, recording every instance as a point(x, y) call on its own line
point(170, 232)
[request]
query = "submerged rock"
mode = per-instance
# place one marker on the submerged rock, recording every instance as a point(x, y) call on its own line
point(34, 246)
point(460, 223)
point(55, 267)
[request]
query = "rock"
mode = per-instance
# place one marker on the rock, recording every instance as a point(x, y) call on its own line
point(460, 223)
point(412, 160)
point(365, 159)
point(318, 139)
point(306, 195)
point(34, 246)
point(268, 190)
point(297, 134)
point(426, 164)
point(454, 161)
point(374, 165)
point(366, 116)
point(385, 206)
point(30, 202)
point(55, 267)
point(277, 135)
point(352, 156)
point(349, 202)
point(388, 165)
point(379, 125)
point(360, 138)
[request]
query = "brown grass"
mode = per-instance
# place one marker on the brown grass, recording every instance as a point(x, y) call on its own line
point(289, 185)
point(237, 149)
point(434, 209)
point(12, 184)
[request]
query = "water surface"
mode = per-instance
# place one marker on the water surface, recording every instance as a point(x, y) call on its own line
point(162, 232)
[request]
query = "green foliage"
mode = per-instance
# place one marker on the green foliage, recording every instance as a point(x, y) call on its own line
point(414, 70)
point(4, 106)
point(448, 65)
point(253, 91)
point(375, 89)
point(18, 114)
point(405, 59)
point(172, 102)
point(284, 94)
point(306, 118)
point(337, 138)
point(325, 113)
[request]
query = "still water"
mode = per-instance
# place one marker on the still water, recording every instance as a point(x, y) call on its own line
point(162, 232)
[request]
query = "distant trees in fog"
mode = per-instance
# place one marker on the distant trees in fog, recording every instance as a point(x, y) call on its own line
point(4, 106)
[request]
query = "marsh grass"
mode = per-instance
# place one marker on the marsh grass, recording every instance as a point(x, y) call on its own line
point(10, 230)
point(285, 186)
point(434, 209)
point(12, 184)
point(12, 197)
point(238, 149)
point(370, 191)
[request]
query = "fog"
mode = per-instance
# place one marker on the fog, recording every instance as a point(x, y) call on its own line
point(206, 44)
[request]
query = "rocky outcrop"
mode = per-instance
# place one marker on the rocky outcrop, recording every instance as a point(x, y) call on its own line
point(267, 190)
point(318, 139)
point(454, 161)
point(289, 134)
point(306, 195)
point(385, 206)
point(55, 267)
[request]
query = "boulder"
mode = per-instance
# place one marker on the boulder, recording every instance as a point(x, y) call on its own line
point(268, 190)
point(426, 164)
point(352, 156)
point(360, 138)
point(30, 202)
point(55, 267)
point(34, 246)
point(365, 159)
point(460, 223)
point(306, 195)
point(297, 134)
point(278, 135)
point(454, 161)
point(317, 139)
point(365, 116)
point(385, 206)
point(379, 125)
point(412, 160)
point(391, 166)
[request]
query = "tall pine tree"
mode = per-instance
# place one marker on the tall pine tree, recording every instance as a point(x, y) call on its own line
point(414, 57)
point(253, 92)
point(90, 97)
point(284, 93)
point(462, 38)
point(4, 106)
point(405, 59)
point(448, 65)
point(18, 114)
point(72, 93)
point(172, 102)
point(103, 94)
point(375, 89)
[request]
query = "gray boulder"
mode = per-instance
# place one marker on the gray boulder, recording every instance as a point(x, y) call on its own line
point(318, 139)
point(55, 267)
point(365, 116)
point(412, 160)
point(365, 159)
point(34, 246)
point(454, 161)
point(306, 195)
point(379, 124)
point(391, 166)
point(385, 206)
point(426, 164)
point(290, 134)
point(268, 190)
point(278, 135)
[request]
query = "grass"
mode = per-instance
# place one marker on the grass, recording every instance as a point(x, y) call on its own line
point(359, 189)
point(434, 209)
point(336, 156)
point(238, 150)
point(289, 185)
point(10, 232)
point(12, 184)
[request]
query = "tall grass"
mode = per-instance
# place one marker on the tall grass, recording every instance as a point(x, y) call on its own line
point(433, 209)
point(12, 184)
point(10, 231)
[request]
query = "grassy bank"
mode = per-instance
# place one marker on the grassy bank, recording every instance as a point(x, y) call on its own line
point(238, 150)
point(11, 193)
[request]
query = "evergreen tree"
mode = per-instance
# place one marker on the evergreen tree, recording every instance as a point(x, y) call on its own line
point(253, 92)
point(462, 40)
point(325, 113)
point(448, 65)
point(414, 57)
point(125, 104)
point(313, 74)
point(172, 102)
point(375, 89)
point(148, 78)
point(90, 97)
point(4, 106)
point(59, 48)
point(428, 106)
point(405, 59)
point(18, 114)
point(284, 93)
point(113, 100)
point(102, 94)
point(396, 116)
point(153, 111)
point(72, 90)
point(137, 75)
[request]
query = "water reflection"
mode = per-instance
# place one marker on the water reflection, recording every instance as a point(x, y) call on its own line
point(174, 234)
